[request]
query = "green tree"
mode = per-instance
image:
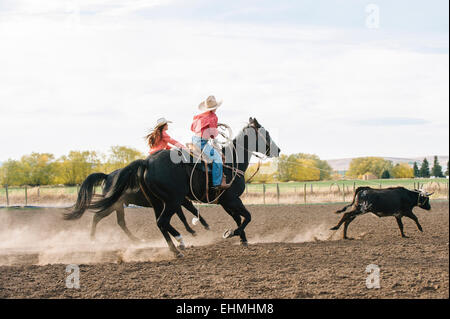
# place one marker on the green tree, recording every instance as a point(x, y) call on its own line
point(12, 173)
point(437, 168)
point(425, 169)
point(294, 166)
point(362, 165)
point(284, 168)
point(38, 168)
point(385, 174)
point(121, 156)
point(266, 174)
point(446, 172)
point(306, 171)
point(403, 170)
point(416, 170)
point(75, 167)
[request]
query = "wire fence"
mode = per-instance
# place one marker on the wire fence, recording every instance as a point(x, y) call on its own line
point(329, 192)
point(274, 193)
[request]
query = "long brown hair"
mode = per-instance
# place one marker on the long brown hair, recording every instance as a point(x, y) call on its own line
point(154, 136)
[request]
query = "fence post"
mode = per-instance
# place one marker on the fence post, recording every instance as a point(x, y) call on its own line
point(78, 189)
point(38, 191)
point(343, 192)
point(7, 196)
point(311, 188)
point(278, 193)
point(26, 195)
point(264, 193)
point(304, 193)
point(246, 189)
point(354, 187)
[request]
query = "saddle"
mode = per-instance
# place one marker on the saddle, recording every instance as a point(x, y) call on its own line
point(197, 153)
point(194, 156)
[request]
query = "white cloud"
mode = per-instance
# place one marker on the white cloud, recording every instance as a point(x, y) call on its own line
point(106, 80)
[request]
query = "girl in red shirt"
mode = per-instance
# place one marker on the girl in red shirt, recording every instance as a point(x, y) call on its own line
point(159, 140)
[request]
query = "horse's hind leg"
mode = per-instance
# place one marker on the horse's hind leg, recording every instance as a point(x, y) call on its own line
point(98, 217)
point(172, 231)
point(164, 226)
point(176, 234)
point(191, 208)
point(120, 212)
point(181, 216)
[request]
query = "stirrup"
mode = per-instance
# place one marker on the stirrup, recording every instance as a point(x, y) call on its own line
point(221, 187)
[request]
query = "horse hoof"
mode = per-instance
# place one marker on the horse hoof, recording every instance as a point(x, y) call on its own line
point(244, 243)
point(179, 254)
point(194, 234)
point(334, 228)
point(227, 234)
point(182, 247)
point(207, 227)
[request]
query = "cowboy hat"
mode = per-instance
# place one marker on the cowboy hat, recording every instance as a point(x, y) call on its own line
point(162, 121)
point(209, 104)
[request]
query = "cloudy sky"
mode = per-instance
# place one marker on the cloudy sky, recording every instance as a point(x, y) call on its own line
point(337, 78)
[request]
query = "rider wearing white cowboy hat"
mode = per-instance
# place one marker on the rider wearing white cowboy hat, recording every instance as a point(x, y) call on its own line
point(158, 139)
point(205, 127)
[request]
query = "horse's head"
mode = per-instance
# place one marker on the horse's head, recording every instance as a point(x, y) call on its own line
point(259, 140)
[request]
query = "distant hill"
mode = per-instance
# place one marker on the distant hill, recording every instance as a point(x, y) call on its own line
point(342, 164)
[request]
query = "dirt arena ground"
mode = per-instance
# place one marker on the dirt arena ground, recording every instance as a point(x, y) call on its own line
point(292, 254)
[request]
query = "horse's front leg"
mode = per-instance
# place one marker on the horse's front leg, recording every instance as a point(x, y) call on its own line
point(181, 216)
point(236, 213)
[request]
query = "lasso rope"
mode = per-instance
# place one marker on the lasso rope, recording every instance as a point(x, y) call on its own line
point(234, 171)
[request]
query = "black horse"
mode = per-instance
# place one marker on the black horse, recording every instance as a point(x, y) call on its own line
point(85, 196)
point(166, 181)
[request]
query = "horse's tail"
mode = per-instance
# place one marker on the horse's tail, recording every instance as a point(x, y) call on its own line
point(353, 201)
point(128, 178)
point(85, 195)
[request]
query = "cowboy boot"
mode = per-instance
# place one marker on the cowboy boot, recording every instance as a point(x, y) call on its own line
point(224, 184)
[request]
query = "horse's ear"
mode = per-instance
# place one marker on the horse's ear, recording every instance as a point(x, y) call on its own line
point(250, 120)
point(255, 121)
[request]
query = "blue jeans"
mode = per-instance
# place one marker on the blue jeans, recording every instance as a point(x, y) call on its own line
point(212, 153)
